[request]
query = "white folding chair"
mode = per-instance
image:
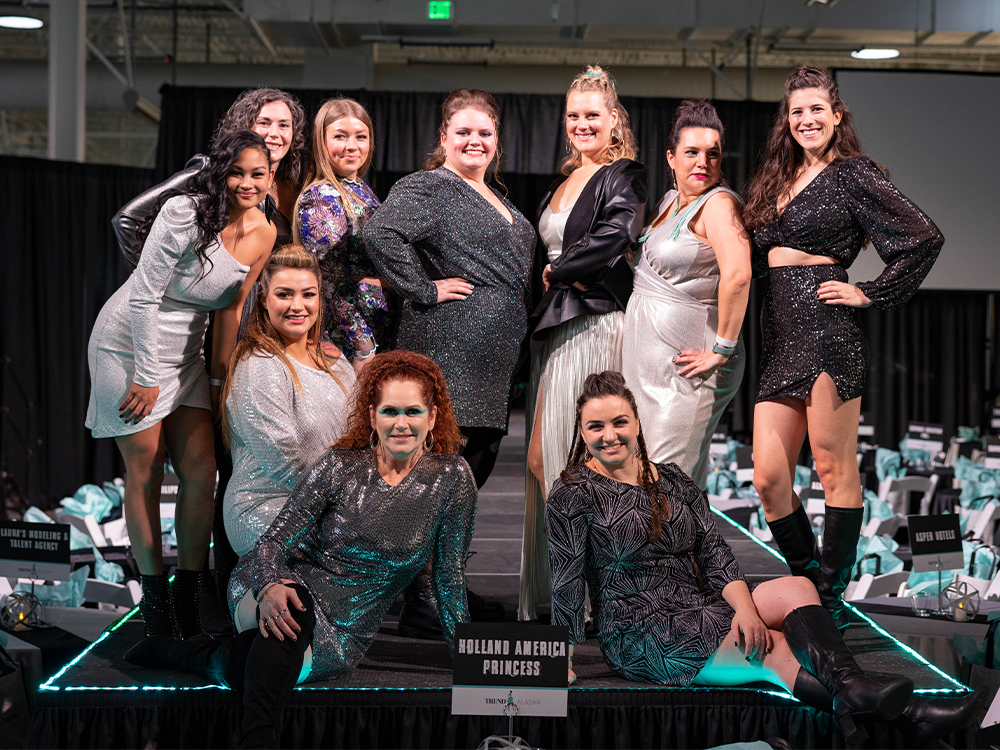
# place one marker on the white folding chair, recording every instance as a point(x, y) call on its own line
point(107, 594)
point(896, 492)
point(86, 524)
point(882, 526)
point(869, 586)
point(982, 522)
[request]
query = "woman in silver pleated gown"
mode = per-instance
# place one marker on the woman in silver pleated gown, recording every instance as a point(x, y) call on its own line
point(588, 223)
point(682, 356)
point(286, 401)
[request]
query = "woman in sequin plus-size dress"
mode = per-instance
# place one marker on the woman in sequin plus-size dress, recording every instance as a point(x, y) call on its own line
point(588, 224)
point(286, 401)
point(359, 525)
point(682, 355)
point(813, 204)
point(460, 254)
point(149, 388)
point(328, 218)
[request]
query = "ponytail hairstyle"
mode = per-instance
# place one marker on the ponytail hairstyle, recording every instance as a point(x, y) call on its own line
point(262, 340)
point(209, 192)
point(695, 113)
point(783, 155)
point(321, 170)
point(455, 102)
point(601, 385)
point(622, 144)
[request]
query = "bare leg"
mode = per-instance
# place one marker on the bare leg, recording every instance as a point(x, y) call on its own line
point(833, 437)
point(536, 462)
point(191, 446)
point(779, 427)
point(143, 453)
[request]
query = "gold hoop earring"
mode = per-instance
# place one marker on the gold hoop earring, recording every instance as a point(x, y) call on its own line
point(430, 436)
point(371, 440)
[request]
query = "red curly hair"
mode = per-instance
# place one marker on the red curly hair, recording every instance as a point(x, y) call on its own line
point(413, 367)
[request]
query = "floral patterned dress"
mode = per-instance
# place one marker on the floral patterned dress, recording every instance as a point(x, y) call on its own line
point(356, 314)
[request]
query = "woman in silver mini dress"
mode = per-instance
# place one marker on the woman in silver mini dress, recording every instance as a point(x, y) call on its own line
point(285, 400)
point(149, 388)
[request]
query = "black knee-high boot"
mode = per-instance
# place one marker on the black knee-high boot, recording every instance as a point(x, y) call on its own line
point(841, 531)
point(818, 646)
point(185, 594)
point(419, 617)
point(795, 538)
point(154, 606)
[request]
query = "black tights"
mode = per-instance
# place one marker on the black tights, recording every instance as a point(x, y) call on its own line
point(480, 450)
point(266, 670)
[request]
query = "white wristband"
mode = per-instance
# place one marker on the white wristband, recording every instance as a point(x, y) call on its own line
point(725, 342)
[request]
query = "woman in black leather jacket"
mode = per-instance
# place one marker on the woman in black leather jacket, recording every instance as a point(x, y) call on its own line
point(588, 223)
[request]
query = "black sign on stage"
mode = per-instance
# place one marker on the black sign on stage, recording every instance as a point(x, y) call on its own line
point(925, 436)
point(500, 663)
point(992, 446)
point(936, 542)
point(39, 551)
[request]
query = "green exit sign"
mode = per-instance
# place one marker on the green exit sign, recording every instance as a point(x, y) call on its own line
point(439, 10)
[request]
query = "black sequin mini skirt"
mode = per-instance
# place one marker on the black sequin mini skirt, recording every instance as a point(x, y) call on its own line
point(804, 337)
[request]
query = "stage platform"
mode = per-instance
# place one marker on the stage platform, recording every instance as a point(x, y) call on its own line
point(400, 696)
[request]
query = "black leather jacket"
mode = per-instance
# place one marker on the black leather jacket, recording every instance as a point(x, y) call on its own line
point(601, 230)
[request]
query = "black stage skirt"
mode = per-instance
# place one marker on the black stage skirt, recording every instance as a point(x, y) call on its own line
point(803, 336)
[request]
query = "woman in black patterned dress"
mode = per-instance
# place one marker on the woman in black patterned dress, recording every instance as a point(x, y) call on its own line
point(641, 536)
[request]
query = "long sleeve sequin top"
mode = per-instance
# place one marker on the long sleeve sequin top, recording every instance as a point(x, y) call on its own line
point(277, 431)
point(654, 619)
point(356, 542)
point(433, 225)
point(329, 233)
point(845, 203)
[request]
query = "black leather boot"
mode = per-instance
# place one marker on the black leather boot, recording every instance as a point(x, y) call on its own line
point(154, 606)
point(841, 532)
point(419, 617)
point(795, 538)
point(185, 594)
point(818, 646)
point(201, 655)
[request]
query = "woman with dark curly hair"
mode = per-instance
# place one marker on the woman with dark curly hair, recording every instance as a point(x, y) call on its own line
point(149, 387)
point(361, 523)
point(813, 205)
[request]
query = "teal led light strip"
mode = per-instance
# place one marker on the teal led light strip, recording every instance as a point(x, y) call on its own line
point(47, 685)
point(731, 522)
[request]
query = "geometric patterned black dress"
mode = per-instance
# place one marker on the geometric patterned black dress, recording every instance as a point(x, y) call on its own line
point(655, 621)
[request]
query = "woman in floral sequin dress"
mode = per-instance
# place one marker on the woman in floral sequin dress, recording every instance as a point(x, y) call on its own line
point(328, 217)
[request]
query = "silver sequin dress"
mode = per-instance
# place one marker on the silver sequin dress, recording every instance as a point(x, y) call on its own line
point(277, 432)
point(675, 306)
point(356, 542)
point(433, 225)
point(152, 330)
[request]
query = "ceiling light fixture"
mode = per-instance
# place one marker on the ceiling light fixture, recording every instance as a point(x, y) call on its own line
point(20, 22)
point(875, 54)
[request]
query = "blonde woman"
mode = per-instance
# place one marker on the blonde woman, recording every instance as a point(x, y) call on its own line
point(328, 216)
point(286, 401)
point(588, 223)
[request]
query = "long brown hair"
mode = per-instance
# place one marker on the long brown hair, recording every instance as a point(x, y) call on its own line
point(783, 156)
point(321, 169)
point(409, 366)
point(261, 340)
point(601, 385)
point(455, 102)
point(622, 144)
point(242, 115)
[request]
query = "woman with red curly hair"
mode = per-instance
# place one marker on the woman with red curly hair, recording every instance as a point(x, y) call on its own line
point(361, 524)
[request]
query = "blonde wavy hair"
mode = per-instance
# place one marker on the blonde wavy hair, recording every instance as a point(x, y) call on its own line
point(622, 144)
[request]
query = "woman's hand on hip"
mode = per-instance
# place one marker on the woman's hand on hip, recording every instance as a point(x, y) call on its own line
point(697, 363)
point(452, 289)
point(839, 293)
point(273, 608)
point(138, 402)
point(750, 634)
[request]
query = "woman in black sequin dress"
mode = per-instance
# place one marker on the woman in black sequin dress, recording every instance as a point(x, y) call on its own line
point(670, 604)
point(813, 205)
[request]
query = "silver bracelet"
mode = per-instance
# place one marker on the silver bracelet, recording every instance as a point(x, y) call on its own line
point(216, 382)
point(365, 354)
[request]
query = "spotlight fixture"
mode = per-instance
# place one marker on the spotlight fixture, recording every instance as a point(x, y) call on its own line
point(875, 54)
point(20, 22)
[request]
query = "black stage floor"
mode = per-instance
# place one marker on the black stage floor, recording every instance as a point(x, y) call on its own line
point(400, 695)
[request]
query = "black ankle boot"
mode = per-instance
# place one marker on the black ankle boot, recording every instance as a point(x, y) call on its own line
point(201, 655)
point(841, 531)
point(484, 610)
point(419, 617)
point(926, 720)
point(795, 538)
point(185, 593)
point(154, 606)
point(818, 646)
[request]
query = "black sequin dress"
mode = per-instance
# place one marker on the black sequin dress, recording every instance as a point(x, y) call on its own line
point(654, 620)
point(832, 216)
point(433, 225)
